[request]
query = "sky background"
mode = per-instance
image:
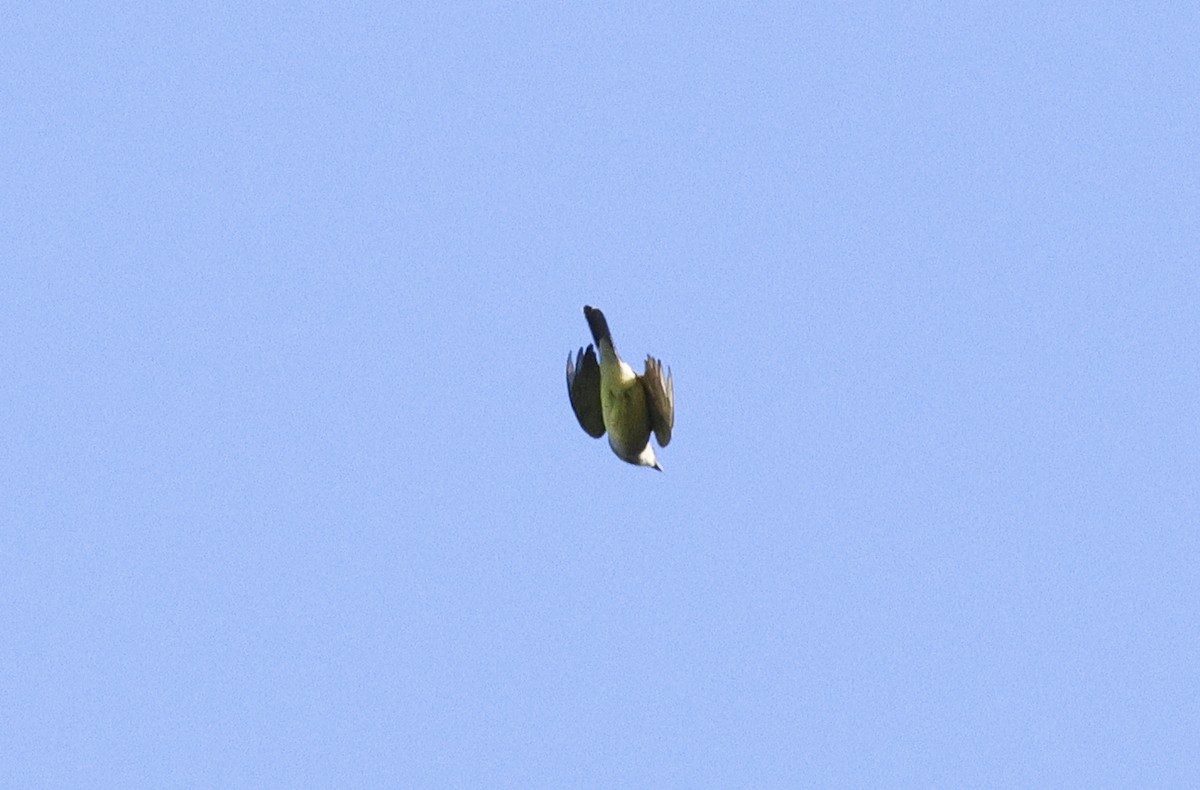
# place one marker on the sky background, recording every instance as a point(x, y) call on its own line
point(292, 496)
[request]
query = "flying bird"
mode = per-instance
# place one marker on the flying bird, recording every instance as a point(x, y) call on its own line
point(608, 396)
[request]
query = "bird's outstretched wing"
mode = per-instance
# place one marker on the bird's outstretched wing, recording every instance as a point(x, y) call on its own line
point(583, 386)
point(660, 398)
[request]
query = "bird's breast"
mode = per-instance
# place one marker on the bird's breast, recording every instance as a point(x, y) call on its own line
point(625, 414)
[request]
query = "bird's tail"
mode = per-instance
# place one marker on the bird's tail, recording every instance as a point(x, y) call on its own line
point(598, 325)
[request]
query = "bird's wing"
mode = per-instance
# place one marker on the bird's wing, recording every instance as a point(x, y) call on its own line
point(583, 386)
point(660, 397)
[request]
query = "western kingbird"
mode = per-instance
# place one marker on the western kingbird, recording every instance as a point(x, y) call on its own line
point(609, 396)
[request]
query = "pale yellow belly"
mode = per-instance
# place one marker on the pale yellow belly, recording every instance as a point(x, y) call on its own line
point(626, 417)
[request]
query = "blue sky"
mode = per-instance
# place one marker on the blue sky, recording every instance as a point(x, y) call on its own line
point(293, 495)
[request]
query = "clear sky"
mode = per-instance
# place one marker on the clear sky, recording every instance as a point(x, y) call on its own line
point(292, 495)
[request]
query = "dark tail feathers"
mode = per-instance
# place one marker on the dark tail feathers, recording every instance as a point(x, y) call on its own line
point(597, 324)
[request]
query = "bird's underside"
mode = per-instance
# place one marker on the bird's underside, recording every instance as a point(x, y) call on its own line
point(608, 397)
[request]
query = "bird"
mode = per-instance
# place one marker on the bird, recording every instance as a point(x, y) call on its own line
point(608, 396)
